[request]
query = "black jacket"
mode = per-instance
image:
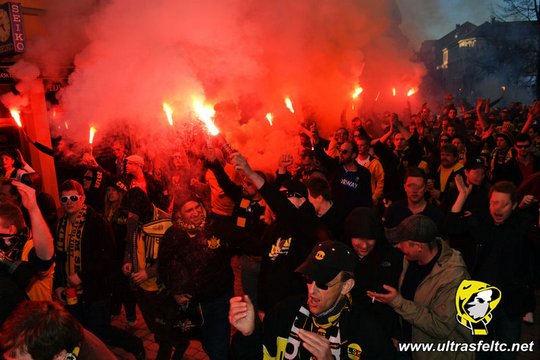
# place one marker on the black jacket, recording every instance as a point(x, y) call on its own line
point(287, 242)
point(350, 189)
point(502, 257)
point(199, 265)
point(97, 253)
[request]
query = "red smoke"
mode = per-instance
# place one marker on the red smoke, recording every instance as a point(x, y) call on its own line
point(244, 56)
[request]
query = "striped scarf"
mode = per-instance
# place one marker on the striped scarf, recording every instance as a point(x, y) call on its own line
point(72, 245)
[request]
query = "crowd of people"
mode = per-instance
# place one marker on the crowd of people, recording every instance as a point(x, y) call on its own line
point(356, 245)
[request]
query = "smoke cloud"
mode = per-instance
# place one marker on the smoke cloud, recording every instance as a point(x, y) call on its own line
point(241, 56)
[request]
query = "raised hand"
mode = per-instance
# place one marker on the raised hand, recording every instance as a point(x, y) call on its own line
point(317, 345)
point(463, 189)
point(242, 314)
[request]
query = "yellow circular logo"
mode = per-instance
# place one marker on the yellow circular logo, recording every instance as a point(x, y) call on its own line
point(320, 255)
point(354, 351)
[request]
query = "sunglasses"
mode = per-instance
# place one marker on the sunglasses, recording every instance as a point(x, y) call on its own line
point(291, 194)
point(73, 198)
point(522, 146)
point(320, 286)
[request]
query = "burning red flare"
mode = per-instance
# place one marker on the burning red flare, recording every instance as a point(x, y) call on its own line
point(357, 91)
point(92, 133)
point(16, 115)
point(411, 92)
point(270, 118)
point(288, 104)
point(393, 91)
point(168, 112)
point(205, 113)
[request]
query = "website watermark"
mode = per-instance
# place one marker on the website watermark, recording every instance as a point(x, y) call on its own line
point(484, 346)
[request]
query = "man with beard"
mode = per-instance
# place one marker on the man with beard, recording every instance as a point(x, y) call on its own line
point(444, 177)
point(325, 324)
point(351, 182)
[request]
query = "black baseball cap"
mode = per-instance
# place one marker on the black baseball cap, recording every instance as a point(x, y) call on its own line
point(326, 260)
point(419, 228)
point(475, 163)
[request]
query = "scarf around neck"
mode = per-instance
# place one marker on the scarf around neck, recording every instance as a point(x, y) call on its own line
point(72, 245)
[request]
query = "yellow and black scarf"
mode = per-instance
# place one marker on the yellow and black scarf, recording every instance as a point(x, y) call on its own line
point(72, 245)
point(326, 325)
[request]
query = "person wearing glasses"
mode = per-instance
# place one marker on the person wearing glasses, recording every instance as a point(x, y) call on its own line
point(25, 256)
point(525, 162)
point(84, 245)
point(351, 182)
point(323, 323)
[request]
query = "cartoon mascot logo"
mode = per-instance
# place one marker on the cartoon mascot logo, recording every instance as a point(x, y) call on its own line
point(475, 300)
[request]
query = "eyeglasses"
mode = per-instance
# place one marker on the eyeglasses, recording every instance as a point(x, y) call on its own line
point(320, 286)
point(522, 146)
point(73, 198)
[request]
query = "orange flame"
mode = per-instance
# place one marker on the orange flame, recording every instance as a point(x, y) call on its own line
point(270, 118)
point(411, 92)
point(168, 112)
point(357, 91)
point(16, 115)
point(205, 113)
point(66, 125)
point(378, 94)
point(92, 133)
point(288, 104)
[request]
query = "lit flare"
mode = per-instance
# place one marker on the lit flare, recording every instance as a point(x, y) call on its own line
point(205, 113)
point(270, 118)
point(92, 133)
point(503, 88)
point(288, 104)
point(411, 92)
point(393, 91)
point(357, 91)
point(16, 115)
point(168, 112)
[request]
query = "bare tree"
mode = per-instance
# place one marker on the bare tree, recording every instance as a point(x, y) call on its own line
point(524, 10)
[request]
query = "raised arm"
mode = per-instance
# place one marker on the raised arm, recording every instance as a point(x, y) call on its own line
point(464, 192)
point(482, 108)
point(533, 114)
point(43, 240)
